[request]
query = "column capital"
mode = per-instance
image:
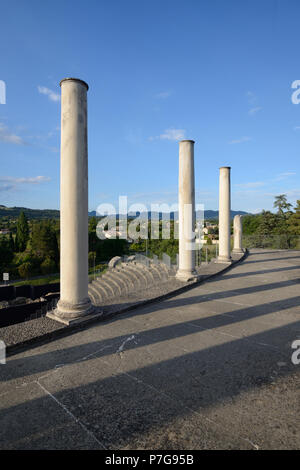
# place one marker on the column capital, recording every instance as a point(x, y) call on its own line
point(74, 80)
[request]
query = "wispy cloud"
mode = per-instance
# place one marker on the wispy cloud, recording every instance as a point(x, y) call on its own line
point(253, 102)
point(297, 128)
point(241, 140)
point(254, 110)
point(163, 95)
point(9, 183)
point(6, 187)
point(251, 184)
point(7, 136)
point(283, 176)
point(258, 184)
point(170, 134)
point(50, 93)
point(251, 97)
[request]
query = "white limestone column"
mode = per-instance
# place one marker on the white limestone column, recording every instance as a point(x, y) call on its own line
point(224, 216)
point(186, 269)
point(74, 301)
point(237, 234)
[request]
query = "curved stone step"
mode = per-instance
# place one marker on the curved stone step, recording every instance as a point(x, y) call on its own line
point(92, 295)
point(127, 276)
point(159, 272)
point(143, 271)
point(141, 280)
point(108, 277)
point(100, 282)
point(95, 293)
point(123, 285)
point(166, 269)
point(100, 289)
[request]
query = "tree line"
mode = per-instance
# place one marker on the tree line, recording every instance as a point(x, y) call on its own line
point(32, 247)
point(280, 229)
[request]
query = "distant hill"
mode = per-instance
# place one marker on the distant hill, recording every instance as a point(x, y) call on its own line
point(54, 214)
point(30, 213)
point(208, 214)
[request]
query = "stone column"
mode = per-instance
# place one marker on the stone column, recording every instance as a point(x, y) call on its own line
point(237, 234)
point(224, 216)
point(186, 269)
point(74, 301)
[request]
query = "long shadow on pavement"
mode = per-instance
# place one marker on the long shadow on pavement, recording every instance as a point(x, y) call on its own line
point(218, 397)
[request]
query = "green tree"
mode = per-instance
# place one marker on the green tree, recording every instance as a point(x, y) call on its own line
point(48, 266)
point(92, 258)
point(11, 242)
point(293, 221)
point(281, 204)
point(93, 224)
point(251, 224)
point(44, 241)
point(22, 236)
point(6, 254)
point(25, 270)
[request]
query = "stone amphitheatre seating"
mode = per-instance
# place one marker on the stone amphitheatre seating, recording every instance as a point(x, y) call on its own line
point(129, 277)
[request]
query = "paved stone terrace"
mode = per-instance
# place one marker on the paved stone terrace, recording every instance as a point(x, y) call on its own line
point(208, 369)
point(41, 328)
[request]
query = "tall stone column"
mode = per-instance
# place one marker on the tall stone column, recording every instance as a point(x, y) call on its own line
point(186, 269)
point(224, 215)
point(74, 301)
point(237, 234)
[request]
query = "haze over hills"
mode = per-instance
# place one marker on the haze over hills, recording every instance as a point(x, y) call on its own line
point(54, 214)
point(208, 214)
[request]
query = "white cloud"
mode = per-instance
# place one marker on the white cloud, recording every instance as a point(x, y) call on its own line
point(241, 140)
point(170, 134)
point(293, 193)
point(253, 111)
point(258, 184)
point(6, 187)
point(251, 97)
point(50, 93)
point(254, 184)
point(296, 128)
point(9, 183)
point(163, 95)
point(8, 137)
point(285, 175)
point(253, 103)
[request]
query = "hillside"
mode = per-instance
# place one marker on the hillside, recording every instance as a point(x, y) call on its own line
point(14, 212)
point(208, 214)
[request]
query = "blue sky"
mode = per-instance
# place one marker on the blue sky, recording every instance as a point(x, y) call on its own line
point(213, 71)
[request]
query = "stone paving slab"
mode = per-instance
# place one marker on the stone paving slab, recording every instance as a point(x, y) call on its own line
point(190, 372)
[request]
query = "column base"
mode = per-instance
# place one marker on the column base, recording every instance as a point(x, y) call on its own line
point(186, 276)
point(237, 251)
point(68, 313)
point(223, 260)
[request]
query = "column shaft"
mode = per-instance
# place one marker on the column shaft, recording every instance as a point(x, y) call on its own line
point(74, 299)
point(186, 269)
point(224, 216)
point(237, 234)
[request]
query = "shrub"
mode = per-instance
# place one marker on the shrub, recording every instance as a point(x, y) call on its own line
point(25, 270)
point(48, 266)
